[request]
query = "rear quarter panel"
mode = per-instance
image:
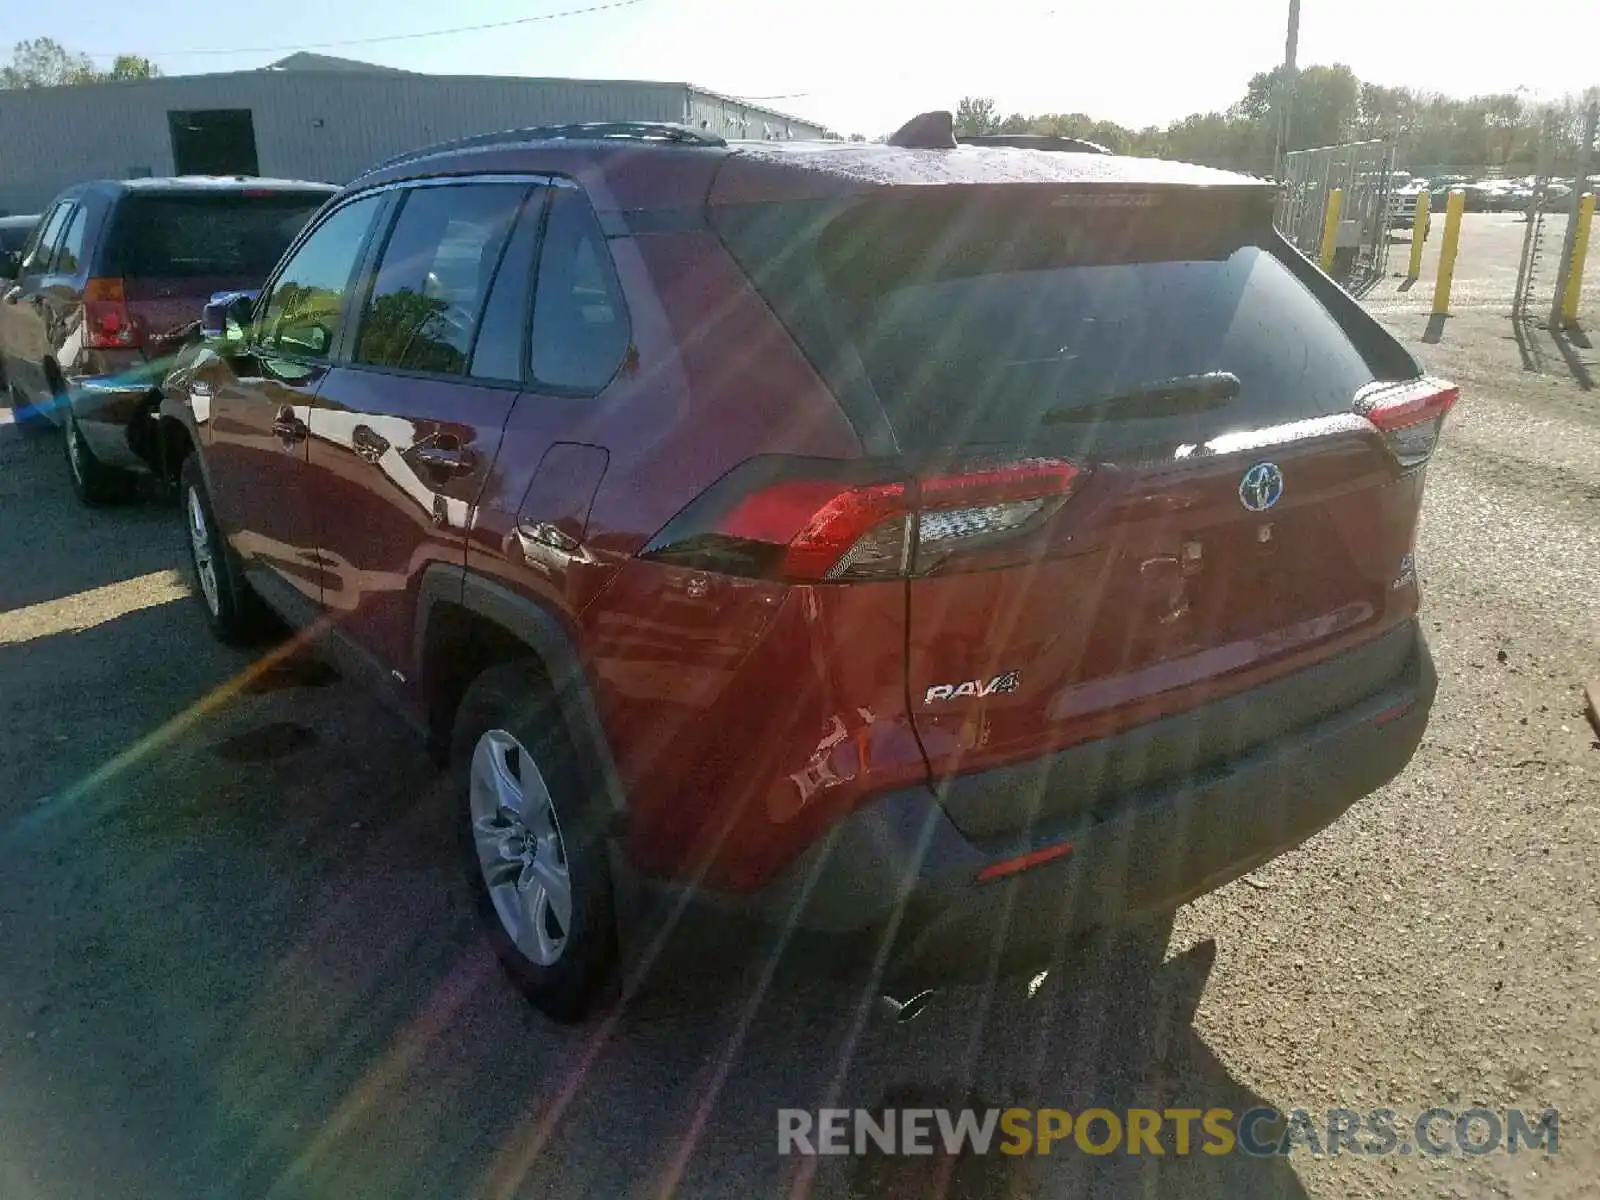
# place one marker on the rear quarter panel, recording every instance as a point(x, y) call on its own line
point(718, 695)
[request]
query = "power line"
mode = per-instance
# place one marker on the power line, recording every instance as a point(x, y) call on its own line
point(389, 37)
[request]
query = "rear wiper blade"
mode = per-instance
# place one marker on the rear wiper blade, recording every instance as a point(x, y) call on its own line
point(1162, 398)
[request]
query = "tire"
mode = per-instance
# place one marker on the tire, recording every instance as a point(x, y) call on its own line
point(509, 749)
point(235, 615)
point(94, 482)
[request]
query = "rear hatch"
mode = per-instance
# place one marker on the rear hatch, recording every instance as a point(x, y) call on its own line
point(1133, 428)
point(173, 249)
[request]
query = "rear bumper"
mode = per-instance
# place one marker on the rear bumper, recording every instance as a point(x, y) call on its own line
point(113, 412)
point(1144, 851)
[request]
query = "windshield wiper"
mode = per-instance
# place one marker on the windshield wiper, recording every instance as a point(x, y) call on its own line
point(1161, 398)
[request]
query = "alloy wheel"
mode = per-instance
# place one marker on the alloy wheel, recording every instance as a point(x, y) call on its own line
point(521, 853)
point(205, 563)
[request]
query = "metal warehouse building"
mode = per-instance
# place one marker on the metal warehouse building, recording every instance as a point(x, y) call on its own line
point(310, 116)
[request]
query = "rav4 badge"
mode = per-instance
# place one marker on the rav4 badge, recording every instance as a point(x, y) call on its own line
point(975, 688)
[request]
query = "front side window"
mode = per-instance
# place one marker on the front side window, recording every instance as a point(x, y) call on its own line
point(428, 296)
point(580, 327)
point(37, 256)
point(302, 316)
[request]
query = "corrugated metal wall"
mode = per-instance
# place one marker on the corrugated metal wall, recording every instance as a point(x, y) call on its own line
point(730, 118)
point(324, 125)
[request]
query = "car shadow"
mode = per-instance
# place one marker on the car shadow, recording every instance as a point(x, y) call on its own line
point(259, 969)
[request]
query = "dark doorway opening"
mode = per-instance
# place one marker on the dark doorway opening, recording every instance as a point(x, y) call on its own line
point(218, 141)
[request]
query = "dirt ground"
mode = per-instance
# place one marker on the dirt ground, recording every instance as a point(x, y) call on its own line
point(236, 960)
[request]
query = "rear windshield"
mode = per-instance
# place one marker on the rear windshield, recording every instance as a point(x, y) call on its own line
point(196, 236)
point(978, 321)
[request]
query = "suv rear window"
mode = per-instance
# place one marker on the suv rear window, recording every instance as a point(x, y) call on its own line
point(178, 235)
point(1011, 319)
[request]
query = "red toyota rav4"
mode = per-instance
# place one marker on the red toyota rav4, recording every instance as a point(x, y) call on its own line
point(941, 548)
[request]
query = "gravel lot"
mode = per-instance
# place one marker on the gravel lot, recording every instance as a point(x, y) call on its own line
point(235, 960)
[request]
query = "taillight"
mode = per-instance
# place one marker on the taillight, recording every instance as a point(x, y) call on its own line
point(1411, 414)
point(107, 324)
point(816, 521)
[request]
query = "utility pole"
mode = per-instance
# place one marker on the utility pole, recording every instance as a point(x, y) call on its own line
point(1286, 88)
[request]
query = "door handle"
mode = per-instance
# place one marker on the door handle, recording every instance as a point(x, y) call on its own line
point(450, 460)
point(368, 443)
point(289, 427)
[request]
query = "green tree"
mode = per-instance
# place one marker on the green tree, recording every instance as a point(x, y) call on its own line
point(132, 66)
point(976, 115)
point(44, 62)
point(1385, 113)
point(1323, 107)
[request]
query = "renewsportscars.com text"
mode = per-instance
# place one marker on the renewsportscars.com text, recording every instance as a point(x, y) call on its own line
point(1434, 1132)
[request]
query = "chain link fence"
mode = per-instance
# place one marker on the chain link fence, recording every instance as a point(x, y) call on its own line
point(1363, 172)
point(1552, 216)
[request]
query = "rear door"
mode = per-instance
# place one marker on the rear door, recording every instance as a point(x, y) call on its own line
point(1141, 480)
point(257, 405)
point(407, 425)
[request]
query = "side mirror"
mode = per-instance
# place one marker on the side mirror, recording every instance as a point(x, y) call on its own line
point(10, 264)
point(309, 339)
point(225, 316)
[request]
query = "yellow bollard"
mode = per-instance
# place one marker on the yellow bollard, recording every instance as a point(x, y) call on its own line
point(1454, 207)
point(1580, 250)
point(1419, 232)
point(1330, 227)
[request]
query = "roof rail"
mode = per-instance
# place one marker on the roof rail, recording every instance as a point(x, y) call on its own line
point(642, 131)
point(1034, 141)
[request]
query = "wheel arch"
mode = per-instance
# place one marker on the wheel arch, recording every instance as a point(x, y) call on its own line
point(467, 623)
point(175, 441)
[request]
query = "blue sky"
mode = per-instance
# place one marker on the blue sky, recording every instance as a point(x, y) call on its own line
point(864, 65)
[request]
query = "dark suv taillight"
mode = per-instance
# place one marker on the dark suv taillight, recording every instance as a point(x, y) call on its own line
point(816, 521)
point(1411, 414)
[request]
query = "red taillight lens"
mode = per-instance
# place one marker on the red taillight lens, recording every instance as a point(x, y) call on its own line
point(812, 522)
point(107, 324)
point(1411, 414)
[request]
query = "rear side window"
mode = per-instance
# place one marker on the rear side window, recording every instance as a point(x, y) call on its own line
point(69, 258)
point(302, 316)
point(199, 235)
point(580, 327)
point(1018, 322)
point(502, 343)
point(436, 270)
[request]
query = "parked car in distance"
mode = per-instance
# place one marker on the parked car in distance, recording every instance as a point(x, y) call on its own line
point(14, 233)
point(956, 548)
point(1403, 197)
point(110, 281)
